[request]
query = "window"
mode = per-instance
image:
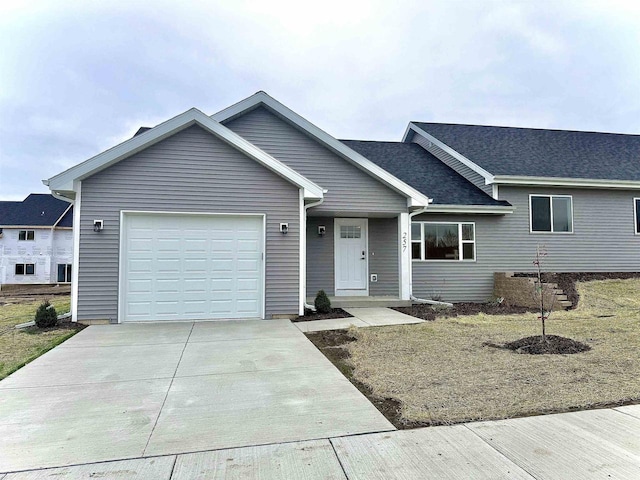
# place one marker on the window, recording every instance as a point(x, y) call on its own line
point(25, 269)
point(551, 213)
point(350, 231)
point(443, 241)
point(27, 235)
point(64, 273)
point(636, 214)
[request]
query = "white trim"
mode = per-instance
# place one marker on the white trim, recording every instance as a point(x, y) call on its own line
point(75, 272)
point(635, 215)
point(29, 227)
point(336, 236)
point(173, 213)
point(62, 216)
point(494, 191)
point(461, 243)
point(566, 182)
point(488, 177)
point(550, 196)
point(471, 209)
point(64, 180)
point(303, 255)
point(404, 255)
point(250, 103)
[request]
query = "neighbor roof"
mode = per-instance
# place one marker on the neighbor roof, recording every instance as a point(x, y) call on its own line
point(37, 210)
point(543, 153)
point(420, 169)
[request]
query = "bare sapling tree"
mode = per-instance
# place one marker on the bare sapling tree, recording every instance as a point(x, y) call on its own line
point(544, 293)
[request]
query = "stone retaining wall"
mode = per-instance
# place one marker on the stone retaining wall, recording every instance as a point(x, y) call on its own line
point(520, 291)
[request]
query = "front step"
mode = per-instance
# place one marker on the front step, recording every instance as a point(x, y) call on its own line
point(365, 302)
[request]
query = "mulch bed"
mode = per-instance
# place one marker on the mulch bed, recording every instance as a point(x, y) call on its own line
point(554, 345)
point(431, 312)
point(332, 344)
point(334, 313)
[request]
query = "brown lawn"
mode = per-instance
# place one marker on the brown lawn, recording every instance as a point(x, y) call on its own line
point(442, 372)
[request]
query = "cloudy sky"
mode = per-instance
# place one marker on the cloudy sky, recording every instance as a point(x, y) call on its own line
point(79, 77)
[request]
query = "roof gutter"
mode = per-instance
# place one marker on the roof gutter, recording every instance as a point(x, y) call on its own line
point(472, 209)
point(565, 182)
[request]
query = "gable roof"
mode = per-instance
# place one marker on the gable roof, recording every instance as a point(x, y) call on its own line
point(416, 197)
point(65, 181)
point(505, 152)
point(423, 171)
point(37, 210)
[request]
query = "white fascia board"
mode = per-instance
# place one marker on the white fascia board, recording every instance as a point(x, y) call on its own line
point(566, 182)
point(323, 137)
point(488, 177)
point(64, 181)
point(471, 209)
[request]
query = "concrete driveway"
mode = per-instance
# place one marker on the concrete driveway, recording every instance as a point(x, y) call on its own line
point(129, 391)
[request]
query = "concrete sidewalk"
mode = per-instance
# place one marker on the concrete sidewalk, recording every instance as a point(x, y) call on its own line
point(361, 317)
point(595, 444)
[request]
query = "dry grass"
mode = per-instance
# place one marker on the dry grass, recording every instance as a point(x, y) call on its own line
point(441, 372)
point(18, 347)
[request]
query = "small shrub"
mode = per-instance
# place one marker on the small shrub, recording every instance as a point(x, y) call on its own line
point(46, 315)
point(322, 302)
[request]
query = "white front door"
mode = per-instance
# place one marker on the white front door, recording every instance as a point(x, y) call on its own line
point(351, 258)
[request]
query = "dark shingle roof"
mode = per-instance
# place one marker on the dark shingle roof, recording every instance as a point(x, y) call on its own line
point(415, 166)
point(37, 210)
point(543, 153)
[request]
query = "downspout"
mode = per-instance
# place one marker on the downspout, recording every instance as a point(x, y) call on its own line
point(411, 296)
point(307, 207)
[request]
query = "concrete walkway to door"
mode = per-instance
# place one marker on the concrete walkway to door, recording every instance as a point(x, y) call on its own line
point(116, 392)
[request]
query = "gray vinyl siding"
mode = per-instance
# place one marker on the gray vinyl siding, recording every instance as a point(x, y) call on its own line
point(192, 171)
point(320, 259)
point(383, 256)
point(453, 163)
point(350, 189)
point(603, 240)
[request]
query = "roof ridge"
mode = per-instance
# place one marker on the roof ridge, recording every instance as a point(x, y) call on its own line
point(525, 128)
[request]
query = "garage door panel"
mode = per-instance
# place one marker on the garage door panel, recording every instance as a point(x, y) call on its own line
point(248, 265)
point(167, 265)
point(191, 267)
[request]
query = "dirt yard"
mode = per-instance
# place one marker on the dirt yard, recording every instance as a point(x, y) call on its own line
point(443, 372)
point(18, 347)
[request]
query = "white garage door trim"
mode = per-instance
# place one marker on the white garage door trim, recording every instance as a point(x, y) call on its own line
point(121, 262)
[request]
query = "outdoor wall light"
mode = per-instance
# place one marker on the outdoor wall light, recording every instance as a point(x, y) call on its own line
point(322, 230)
point(284, 228)
point(98, 225)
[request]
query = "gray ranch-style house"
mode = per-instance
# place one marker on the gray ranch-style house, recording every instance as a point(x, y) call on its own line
point(251, 211)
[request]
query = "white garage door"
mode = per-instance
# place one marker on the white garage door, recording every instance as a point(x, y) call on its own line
point(191, 267)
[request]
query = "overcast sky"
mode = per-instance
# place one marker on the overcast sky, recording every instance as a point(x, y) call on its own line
point(79, 77)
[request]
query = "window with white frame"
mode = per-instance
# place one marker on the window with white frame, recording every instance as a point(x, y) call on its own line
point(27, 235)
point(636, 214)
point(64, 273)
point(551, 213)
point(443, 241)
point(25, 269)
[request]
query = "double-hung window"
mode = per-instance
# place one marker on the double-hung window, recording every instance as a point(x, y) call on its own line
point(551, 213)
point(443, 241)
point(636, 214)
point(27, 235)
